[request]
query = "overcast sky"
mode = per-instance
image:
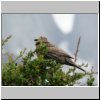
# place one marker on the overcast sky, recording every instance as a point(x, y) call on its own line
point(26, 27)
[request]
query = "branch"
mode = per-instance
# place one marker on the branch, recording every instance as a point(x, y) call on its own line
point(77, 49)
point(76, 53)
point(5, 40)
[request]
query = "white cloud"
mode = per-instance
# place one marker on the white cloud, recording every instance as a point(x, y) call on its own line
point(64, 22)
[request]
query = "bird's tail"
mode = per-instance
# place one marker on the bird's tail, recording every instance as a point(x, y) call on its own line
point(71, 63)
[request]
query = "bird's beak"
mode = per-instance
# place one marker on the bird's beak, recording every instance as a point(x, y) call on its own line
point(35, 39)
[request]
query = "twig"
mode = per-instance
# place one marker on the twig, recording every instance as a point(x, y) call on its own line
point(77, 49)
point(5, 40)
point(76, 53)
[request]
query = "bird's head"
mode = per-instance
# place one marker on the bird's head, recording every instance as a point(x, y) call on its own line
point(40, 39)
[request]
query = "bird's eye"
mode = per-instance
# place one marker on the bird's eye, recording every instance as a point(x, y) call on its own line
point(35, 39)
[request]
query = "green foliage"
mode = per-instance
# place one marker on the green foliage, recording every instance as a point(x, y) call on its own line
point(90, 81)
point(42, 49)
point(5, 40)
point(32, 71)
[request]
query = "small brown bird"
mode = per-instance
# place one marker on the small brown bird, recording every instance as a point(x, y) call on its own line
point(55, 53)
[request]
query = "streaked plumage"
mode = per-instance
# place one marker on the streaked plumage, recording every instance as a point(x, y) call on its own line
point(56, 53)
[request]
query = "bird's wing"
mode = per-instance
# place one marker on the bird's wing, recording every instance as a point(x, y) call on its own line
point(59, 52)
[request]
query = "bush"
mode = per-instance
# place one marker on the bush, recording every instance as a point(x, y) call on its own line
point(32, 71)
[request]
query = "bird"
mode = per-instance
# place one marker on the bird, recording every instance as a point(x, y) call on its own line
point(53, 52)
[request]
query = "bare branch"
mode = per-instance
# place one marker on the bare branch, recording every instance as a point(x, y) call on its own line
point(77, 49)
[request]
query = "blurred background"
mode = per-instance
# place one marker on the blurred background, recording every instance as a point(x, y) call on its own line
point(62, 30)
